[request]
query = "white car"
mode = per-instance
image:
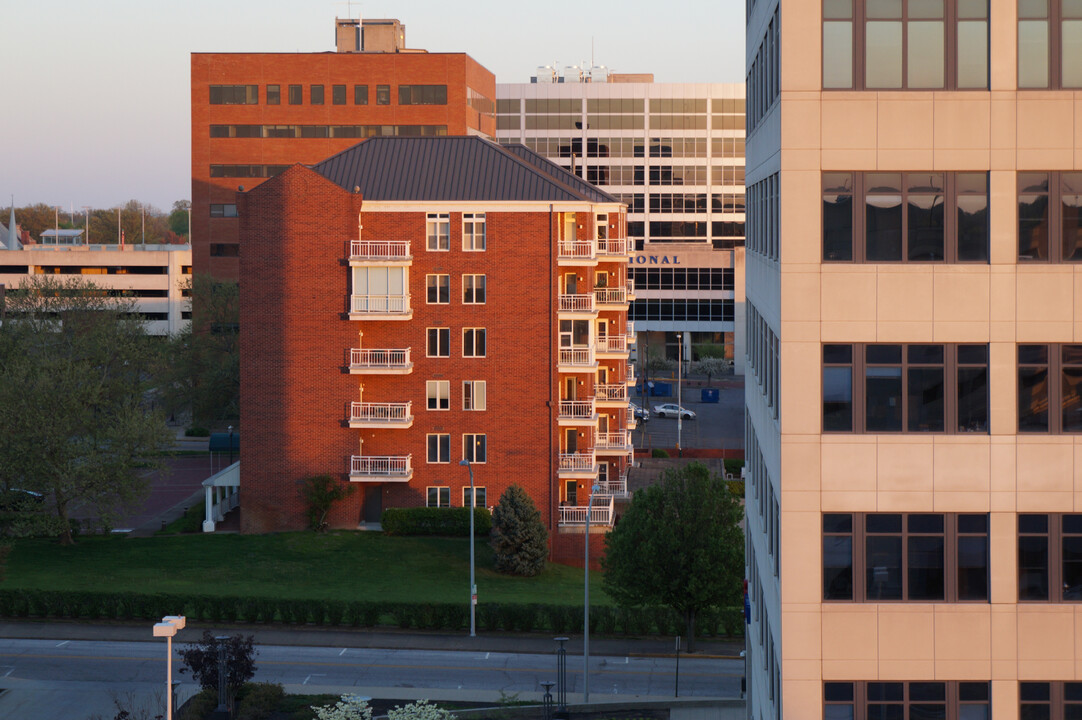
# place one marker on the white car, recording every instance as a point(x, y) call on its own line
point(673, 410)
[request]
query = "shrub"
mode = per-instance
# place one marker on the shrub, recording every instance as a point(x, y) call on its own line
point(420, 710)
point(436, 521)
point(200, 705)
point(519, 537)
point(320, 493)
point(736, 487)
point(659, 453)
point(196, 431)
point(259, 701)
point(350, 707)
point(733, 466)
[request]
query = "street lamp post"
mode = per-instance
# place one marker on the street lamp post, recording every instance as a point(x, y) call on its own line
point(167, 628)
point(230, 444)
point(473, 583)
point(586, 602)
point(679, 392)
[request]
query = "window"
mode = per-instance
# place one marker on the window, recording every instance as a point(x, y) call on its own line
point(422, 94)
point(875, 700)
point(439, 497)
point(439, 289)
point(1049, 44)
point(1050, 377)
point(438, 227)
point(295, 95)
point(905, 217)
point(439, 448)
point(905, 388)
point(383, 94)
point(905, 44)
point(481, 497)
point(380, 289)
point(473, 342)
point(439, 342)
point(879, 557)
point(1050, 558)
point(316, 95)
point(226, 210)
point(274, 94)
point(474, 448)
point(1050, 700)
point(234, 94)
point(360, 94)
point(338, 94)
point(473, 232)
point(473, 289)
point(474, 395)
point(1050, 216)
point(439, 394)
point(224, 250)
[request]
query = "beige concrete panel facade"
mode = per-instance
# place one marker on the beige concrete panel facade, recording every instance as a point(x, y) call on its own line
point(1003, 554)
point(1002, 476)
point(850, 642)
point(1046, 303)
point(844, 318)
point(1004, 128)
point(1078, 130)
point(904, 303)
point(906, 633)
point(962, 130)
point(802, 559)
point(904, 472)
point(805, 642)
point(797, 71)
point(1078, 474)
point(803, 201)
point(1045, 473)
point(963, 642)
point(848, 476)
point(1045, 138)
point(849, 125)
point(1003, 217)
point(960, 294)
point(1004, 642)
point(800, 124)
point(800, 464)
point(1002, 397)
point(1046, 642)
point(800, 395)
point(961, 464)
point(1077, 337)
point(1002, 305)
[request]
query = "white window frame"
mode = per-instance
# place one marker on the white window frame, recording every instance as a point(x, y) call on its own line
point(433, 223)
point(480, 490)
point(469, 440)
point(439, 394)
point(446, 282)
point(470, 395)
point(442, 492)
point(471, 223)
point(439, 331)
point(473, 345)
point(472, 280)
point(437, 461)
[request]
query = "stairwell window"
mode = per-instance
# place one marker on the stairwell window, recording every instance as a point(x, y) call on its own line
point(439, 394)
point(439, 448)
point(473, 289)
point(474, 395)
point(438, 342)
point(482, 497)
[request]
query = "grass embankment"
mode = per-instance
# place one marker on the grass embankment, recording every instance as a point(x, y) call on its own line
point(336, 566)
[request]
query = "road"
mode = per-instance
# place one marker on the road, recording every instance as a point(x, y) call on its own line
point(718, 425)
point(74, 679)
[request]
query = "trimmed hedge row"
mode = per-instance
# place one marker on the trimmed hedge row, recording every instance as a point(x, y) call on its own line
point(436, 521)
point(535, 617)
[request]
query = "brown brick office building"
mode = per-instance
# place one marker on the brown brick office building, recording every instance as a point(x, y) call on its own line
point(412, 302)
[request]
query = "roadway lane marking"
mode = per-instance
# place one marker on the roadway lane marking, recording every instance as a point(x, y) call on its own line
point(11, 669)
point(486, 655)
point(310, 677)
point(342, 653)
point(62, 644)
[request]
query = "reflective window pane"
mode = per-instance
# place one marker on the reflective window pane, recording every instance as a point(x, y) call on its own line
point(838, 55)
point(926, 229)
point(837, 568)
point(1071, 59)
point(972, 54)
point(1032, 568)
point(1071, 213)
point(1072, 567)
point(973, 568)
point(1032, 399)
point(925, 399)
point(925, 9)
point(883, 389)
point(837, 399)
point(883, 227)
point(1033, 53)
point(926, 568)
point(883, 8)
point(925, 52)
point(973, 399)
point(1072, 399)
point(973, 228)
point(883, 54)
point(1033, 227)
point(837, 227)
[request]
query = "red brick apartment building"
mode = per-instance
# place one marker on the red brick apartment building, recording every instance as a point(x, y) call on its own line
point(255, 114)
point(412, 302)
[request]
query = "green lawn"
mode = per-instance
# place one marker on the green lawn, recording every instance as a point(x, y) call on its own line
point(335, 566)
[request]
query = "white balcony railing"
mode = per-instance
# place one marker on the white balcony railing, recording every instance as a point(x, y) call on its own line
point(631, 332)
point(611, 392)
point(389, 466)
point(578, 461)
point(379, 249)
point(630, 287)
point(576, 409)
point(362, 412)
point(376, 359)
point(577, 250)
point(577, 356)
point(576, 303)
point(616, 487)
point(611, 296)
point(612, 343)
point(618, 440)
point(629, 377)
point(380, 304)
point(612, 246)
point(600, 514)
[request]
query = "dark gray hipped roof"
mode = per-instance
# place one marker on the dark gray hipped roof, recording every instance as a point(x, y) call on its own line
point(453, 169)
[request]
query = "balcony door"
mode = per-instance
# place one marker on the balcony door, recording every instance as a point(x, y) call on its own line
point(602, 423)
point(571, 492)
point(571, 440)
point(571, 284)
point(571, 389)
point(603, 473)
point(373, 503)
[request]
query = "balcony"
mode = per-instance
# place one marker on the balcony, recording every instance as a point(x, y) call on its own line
point(578, 465)
point(630, 332)
point(380, 415)
point(612, 345)
point(576, 252)
point(630, 289)
point(380, 468)
point(577, 359)
point(371, 361)
point(614, 443)
point(384, 252)
point(380, 307)
point(614, 296)
point(601, 513)
point(630, 378)
point(582, 304)
point(577, 412)
point(616, 488)
point(615, 394)
point(613, 247)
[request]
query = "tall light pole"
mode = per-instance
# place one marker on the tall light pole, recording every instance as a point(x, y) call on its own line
point(86, 209)
point(167, 628)
point(473, 583)
point(586, 602)
point(679, 392)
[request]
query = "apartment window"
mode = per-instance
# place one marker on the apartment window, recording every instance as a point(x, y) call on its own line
point(474, 395)
point(439, 289)
point(473, 342)
point(316, 94)
point(439, 342)
point(1050, 700)
point(439, 394)
point(913, 700)
point(473, 289)
point(473, 232)
point(383, 94)
point(905, 388)
point(1049, 44)
point(274, 94)
point(905, 217)
point(1049, 558)
point(474, 448)
point(223, 210)
point(234, 94)
point(1050, 378)
point(422, 94)
point(296, 94)
point(439, 448)
point(439, 497)
point(482, 497)
point(905, 44)
point(879, 557)
point(1050, 216)
point(360, 94)
point(438, 227)
point(338, 94)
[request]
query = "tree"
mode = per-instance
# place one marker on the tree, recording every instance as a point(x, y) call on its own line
point(519, 536)
point(76, 399)
point(201, 660)
point(178, 218)
point(320, 493)
point(679, 544)
point(349, 707)
point(710, 366)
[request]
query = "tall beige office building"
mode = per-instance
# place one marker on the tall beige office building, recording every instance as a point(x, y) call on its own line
point(914, 310)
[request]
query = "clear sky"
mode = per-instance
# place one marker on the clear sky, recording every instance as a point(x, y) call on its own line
point(94, 103)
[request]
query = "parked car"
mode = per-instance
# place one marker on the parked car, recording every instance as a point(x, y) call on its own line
point(639, 412)
point(17, 499)
point(673, 410)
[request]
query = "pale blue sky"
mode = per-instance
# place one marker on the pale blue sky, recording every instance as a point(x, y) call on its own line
point(94, 103)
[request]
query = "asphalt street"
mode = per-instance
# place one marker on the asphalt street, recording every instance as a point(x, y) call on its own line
point(717, 425)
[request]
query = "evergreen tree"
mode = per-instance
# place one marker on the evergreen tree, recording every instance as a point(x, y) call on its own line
point(518, 534)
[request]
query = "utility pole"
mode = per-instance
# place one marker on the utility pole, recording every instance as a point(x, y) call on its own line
point(86, 208)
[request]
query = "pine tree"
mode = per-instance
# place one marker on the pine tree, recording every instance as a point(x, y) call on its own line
point(518, 535)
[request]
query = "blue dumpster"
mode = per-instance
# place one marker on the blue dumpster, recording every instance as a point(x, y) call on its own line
point(711, 395)
point(661, 389)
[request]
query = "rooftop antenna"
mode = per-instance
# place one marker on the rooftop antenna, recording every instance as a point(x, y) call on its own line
point(349, 8)
point(591, 52)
